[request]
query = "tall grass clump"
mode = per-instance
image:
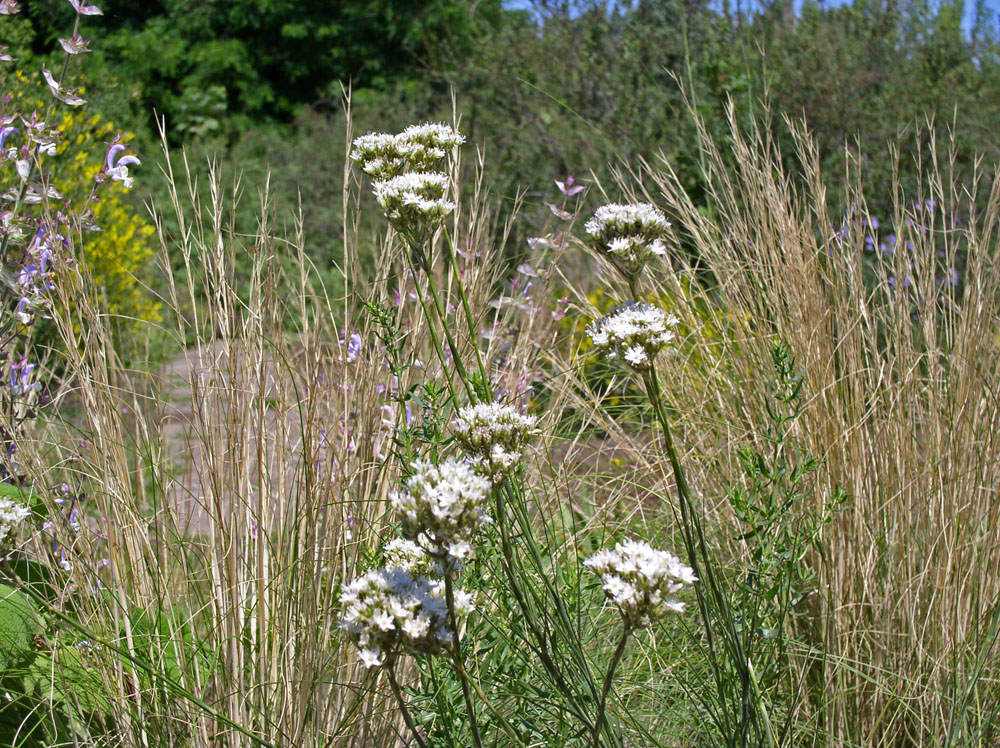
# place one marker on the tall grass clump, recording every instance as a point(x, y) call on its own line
point(892, 322)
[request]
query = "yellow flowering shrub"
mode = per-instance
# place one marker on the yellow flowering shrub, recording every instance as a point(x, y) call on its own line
point(118, 256)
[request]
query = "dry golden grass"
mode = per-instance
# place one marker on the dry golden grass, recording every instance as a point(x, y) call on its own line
point(902, 407)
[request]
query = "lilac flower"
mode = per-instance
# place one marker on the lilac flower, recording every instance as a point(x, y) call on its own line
point(9, 7)
point(118, 170)
point(86, 10)
point(23, 311)
point(354, 345)
point(544, 242)
point(66, 95)
point(75, 45)
point(559, 212)
point(568, 187)
point(20, 378)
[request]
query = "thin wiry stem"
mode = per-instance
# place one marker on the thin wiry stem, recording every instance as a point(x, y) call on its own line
point(456, 646)
point(608, 679)
point(403, 708)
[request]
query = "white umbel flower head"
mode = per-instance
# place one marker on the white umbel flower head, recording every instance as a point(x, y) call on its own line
point(442, 508)
point(419, 148)
point(494, 435)
point(389, 612)
point(629, 235)
point(635, 332)
point(414, 198)
point(12, 514)
point(639, 580)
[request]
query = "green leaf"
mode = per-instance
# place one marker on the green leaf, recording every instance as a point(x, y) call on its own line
point(18, 626)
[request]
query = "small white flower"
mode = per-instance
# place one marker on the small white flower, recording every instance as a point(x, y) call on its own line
point(629, 235)
point(638, 578)
point(635, 332)
point(12, 514)
point(459, 550)
point(419, 148)
point(494, 435)
point(371, 657)
point(442, 508)
point(636, 357)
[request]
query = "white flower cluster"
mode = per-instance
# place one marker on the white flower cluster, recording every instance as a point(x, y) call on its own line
point(629, 234)
point(638, 579)
point(392, 611)
point(407, 181)
point(442, 507)
point(413, 196)
point(405, 554)
point(419, 148)
point(494, 435)
point(635, 331)
point(11, 515)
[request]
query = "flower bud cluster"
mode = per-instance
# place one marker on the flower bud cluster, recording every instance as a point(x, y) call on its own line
point(495, 436)
point(639, 580)
point(442, 508)
point(635, 332)
point(405, 554)
point(11, 515)
point(629, 235)
point(392, 611)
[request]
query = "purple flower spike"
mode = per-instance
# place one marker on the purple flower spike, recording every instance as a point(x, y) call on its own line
point(568, 187)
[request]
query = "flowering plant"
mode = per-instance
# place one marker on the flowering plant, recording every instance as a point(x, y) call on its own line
point(634, 332)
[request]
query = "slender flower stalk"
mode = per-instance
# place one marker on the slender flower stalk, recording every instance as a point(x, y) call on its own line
point(639, 581)
point(459, 660)
point(403, 708)
point(608, 680)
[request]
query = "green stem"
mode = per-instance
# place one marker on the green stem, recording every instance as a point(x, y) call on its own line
point(398, 693)
point(452, 345)
point(690, 528)
point(541, 648)
point(435, 340)
point(608, 678)
point(470, 323)
point(456, 646)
